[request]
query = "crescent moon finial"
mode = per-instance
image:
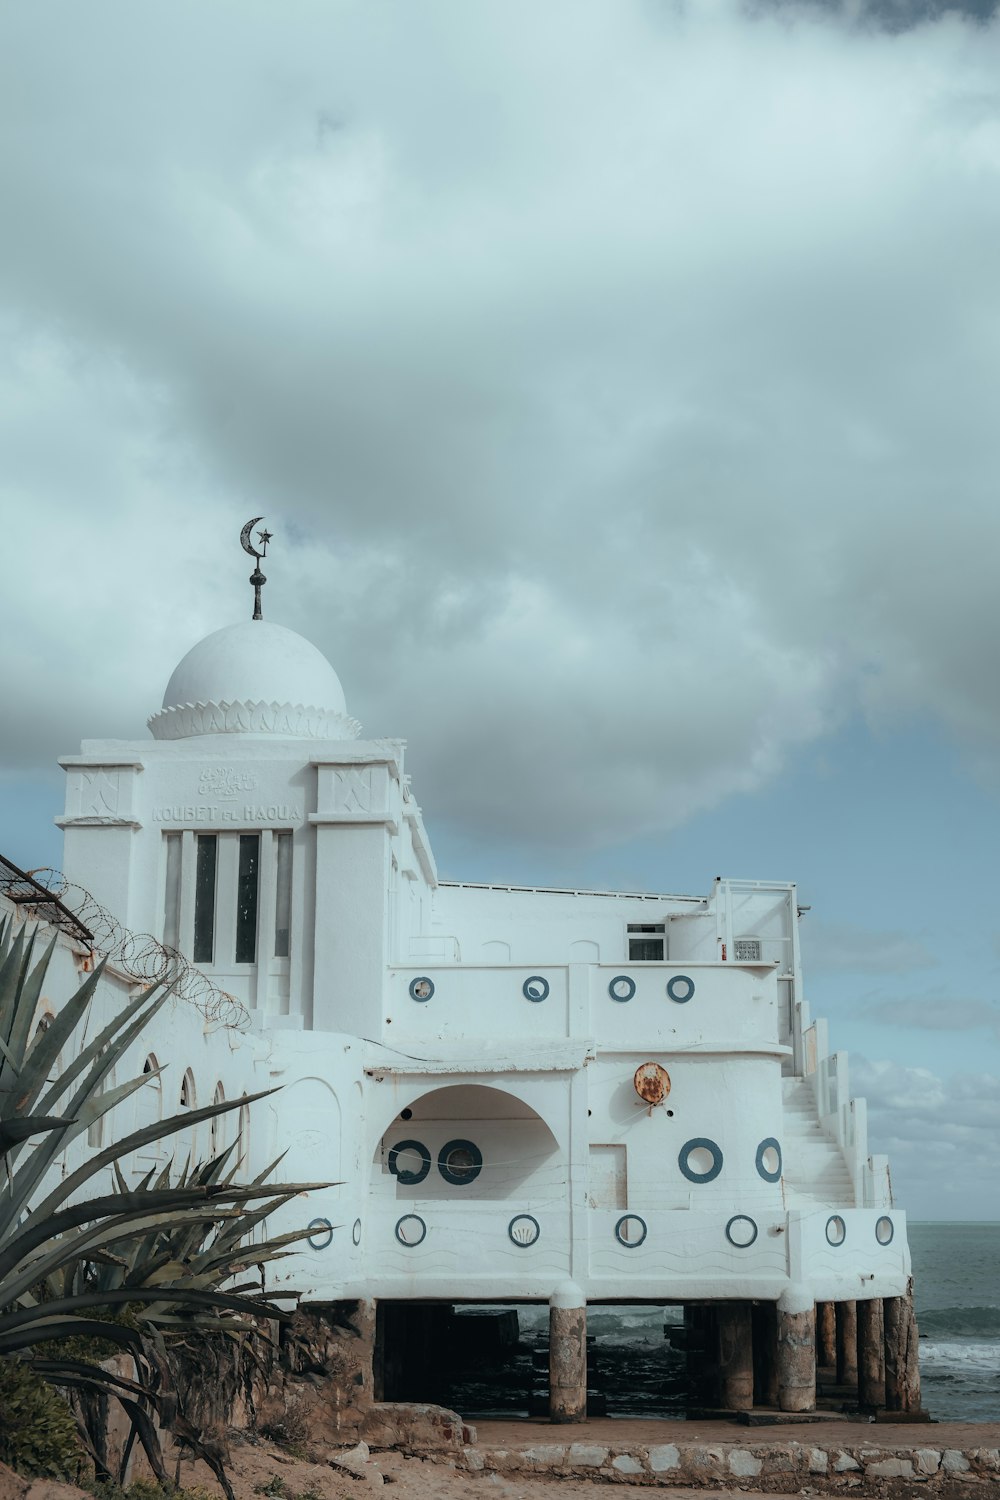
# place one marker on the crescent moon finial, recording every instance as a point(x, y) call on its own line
point(257, 578)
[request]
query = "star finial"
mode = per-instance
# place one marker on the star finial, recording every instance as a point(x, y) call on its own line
point(256, 577)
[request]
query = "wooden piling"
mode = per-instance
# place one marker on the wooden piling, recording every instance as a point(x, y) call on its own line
point(826, 1336)
point(735, 1356)
point(902, 1366)
point(847, 1342)
point(871, 1355)
point(796, 1356)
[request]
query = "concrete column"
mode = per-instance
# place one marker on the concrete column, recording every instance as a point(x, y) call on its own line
point(847, 1343)
point(826, 1336)
point(796, 1350)
point(567, 1354)
point(902, 1367)
point(735, 1356)
point(871, 1354)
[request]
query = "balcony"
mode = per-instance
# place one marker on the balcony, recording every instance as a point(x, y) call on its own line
point(625, 1007)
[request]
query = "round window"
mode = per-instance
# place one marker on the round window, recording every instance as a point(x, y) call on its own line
point(630, 1231)
point(421, 989)
point(409, 1162)
point(460, 1162)
point(680, 988)
point(410, 1230)
point(700, 1160)
point(836, 1230)
point(621, 988)
point(523, 1230)
point(320, 1233)
point(741, 1231)
point(769, 1159)
point(535, 988)
point(884, 1230)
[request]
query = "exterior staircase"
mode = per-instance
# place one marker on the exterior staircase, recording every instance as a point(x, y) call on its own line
point(814, 1171)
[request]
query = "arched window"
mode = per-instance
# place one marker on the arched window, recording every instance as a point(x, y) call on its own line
point(217, 1127)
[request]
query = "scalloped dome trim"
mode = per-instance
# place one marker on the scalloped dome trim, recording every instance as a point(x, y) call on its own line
point(296, 720)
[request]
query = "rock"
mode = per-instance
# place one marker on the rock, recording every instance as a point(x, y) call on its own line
point(954, 1461)
point(547, 1454)
point(588, 1456)
point(627, 1463)
point(889, 1468)
point(663, 1457)
point(927, 1460)
point(473, 1459)
point(819, 1461)
point(354, 1460)
point(844, 1462)
point(743, 1463)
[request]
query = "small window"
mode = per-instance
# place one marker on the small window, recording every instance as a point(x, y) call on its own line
point(187, 1100)
point(283, 894)
point(172, 892)
point(647, 942)
point(204, 898)
point(246, 899)
point(746, 950)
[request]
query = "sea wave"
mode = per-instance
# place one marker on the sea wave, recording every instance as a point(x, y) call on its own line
point(977, 1322)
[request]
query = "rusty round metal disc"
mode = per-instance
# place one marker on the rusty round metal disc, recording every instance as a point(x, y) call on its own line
point(652, 1082)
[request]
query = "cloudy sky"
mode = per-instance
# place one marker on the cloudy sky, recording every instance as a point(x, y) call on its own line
point(619, 379)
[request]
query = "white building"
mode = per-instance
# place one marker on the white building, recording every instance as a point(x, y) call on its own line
point(461, 1060)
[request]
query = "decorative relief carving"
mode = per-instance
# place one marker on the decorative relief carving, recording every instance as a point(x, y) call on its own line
point(353, 789)
point(225, 783)
point(99, 793)
point(296, 720)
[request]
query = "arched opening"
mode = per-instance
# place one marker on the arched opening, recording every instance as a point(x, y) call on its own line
point(469, 1142)
point(217, 1125)
point(149, 1111)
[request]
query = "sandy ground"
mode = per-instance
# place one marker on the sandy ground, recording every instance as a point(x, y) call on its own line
point(261, 1470)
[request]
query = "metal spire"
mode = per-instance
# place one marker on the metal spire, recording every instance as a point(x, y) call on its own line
point(256, 577)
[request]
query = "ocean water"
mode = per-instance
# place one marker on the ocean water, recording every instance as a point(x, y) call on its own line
point(956, 1288)
point(956, 1270)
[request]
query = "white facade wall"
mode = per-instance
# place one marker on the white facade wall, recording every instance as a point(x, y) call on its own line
point(410, 1018)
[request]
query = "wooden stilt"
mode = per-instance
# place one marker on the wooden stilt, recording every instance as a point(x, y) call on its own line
point(735, 1356)
point(797, 1360)
point(847, 1342)
point(826, 1336)
point(902, 1366)
point(871, 1355)
point(568, 1357)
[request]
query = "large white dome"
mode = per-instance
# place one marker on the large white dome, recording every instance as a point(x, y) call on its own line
point(254, 678)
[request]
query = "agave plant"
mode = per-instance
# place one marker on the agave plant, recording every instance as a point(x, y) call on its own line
point(164, 1252)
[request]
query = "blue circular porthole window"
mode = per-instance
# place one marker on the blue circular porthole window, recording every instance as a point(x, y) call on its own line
point(621, 988)
point(630, 1231)
point(741, 1231)
point(460, 1162)
point(769, 1159)
point(409, 1162)
point(680, 988)
point(356, 1232)
point(535, 988)
point(700, 1159)
point(884, 1230)
point(410, 1230)
point(836, 1230)
point(320, 1233)
point(421, 988)
point(523, 1230)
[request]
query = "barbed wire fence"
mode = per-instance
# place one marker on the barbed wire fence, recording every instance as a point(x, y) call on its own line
point(49, 896)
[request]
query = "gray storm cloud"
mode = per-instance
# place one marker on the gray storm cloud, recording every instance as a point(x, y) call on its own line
point(618, 380)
